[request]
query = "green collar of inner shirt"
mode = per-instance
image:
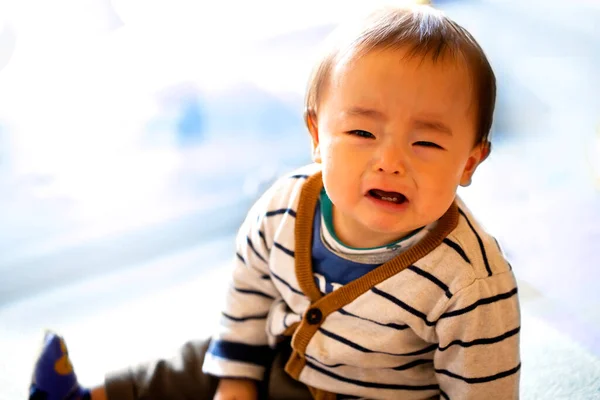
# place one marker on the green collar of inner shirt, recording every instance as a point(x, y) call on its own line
point(327, 211)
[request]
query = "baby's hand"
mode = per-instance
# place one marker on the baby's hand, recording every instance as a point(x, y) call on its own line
point(236, 389)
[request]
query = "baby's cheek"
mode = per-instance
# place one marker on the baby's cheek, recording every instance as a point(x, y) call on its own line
point(435, 198)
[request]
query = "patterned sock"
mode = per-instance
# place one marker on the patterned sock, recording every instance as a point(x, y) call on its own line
point(53, 375)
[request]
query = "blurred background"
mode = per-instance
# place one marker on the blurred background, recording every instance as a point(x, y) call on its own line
point(134, 136)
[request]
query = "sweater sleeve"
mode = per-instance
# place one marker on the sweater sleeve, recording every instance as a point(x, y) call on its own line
point(478, 355)
point(239, 348)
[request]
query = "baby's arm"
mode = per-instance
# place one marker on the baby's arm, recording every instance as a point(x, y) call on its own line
point(478, 355)
point(236, 389)
point(240, 347)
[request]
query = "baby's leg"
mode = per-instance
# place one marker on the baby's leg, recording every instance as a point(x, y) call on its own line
point(182, 378)
point(179, 378)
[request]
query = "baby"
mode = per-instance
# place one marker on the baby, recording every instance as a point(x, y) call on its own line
point(362, 275)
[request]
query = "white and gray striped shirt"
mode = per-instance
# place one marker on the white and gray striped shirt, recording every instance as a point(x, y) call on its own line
point(439, 320)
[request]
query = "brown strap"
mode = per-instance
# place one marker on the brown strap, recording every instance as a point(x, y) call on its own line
point(305, 216)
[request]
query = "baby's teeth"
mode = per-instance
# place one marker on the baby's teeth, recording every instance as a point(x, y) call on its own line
point(390, 199)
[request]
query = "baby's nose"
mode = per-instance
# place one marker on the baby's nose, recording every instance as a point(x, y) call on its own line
point(391, 161)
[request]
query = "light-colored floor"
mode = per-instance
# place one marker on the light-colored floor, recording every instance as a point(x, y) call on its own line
point(108, 329)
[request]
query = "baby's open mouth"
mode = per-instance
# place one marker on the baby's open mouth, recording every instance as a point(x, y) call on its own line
point(392, 197)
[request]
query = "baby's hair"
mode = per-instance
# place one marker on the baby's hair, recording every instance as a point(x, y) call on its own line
point(428, 33)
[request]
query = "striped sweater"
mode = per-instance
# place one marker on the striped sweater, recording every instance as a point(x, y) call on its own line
point(440, 320)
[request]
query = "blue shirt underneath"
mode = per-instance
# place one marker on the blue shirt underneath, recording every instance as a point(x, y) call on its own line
point(329, 269)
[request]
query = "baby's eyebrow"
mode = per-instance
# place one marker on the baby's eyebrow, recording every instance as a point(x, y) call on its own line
point(365, 112)
point(433, 125)
point(421, 123)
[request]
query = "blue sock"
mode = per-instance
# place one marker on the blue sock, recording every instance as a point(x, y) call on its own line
point(53, 375)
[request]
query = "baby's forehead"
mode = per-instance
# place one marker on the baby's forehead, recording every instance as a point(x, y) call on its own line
point(400, 84)
point(390, 67)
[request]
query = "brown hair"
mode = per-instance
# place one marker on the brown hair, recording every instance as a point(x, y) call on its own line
point(428, 32)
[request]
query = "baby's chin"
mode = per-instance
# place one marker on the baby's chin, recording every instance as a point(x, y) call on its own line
point(403, 224)
point(387, 228)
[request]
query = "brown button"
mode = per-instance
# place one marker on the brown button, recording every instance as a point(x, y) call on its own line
point(314, 316)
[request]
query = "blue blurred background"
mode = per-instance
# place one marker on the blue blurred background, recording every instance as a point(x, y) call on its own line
point(134, 136)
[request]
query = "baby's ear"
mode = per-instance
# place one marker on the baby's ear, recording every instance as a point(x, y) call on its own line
point(478, 155)
point(311, 124)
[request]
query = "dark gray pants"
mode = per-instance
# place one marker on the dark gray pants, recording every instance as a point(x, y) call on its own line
point(182, 378)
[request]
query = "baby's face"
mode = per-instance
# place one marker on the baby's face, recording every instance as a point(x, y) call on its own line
point(395, 138)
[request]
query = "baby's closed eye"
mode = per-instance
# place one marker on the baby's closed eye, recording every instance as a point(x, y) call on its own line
point(423, 143)
point(361, 133)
